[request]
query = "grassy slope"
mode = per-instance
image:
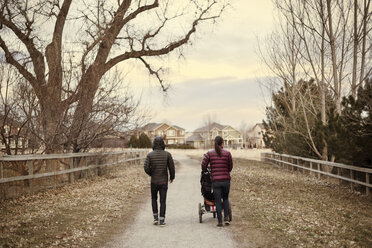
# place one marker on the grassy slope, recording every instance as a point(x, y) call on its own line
point(296, 210)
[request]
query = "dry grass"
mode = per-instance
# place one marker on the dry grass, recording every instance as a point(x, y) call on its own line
point(296, 210)
point(83, 214)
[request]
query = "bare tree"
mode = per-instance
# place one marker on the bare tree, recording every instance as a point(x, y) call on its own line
point(244, 128)
point(114, 110)
point(13, 125)
point(98, 35)
point(321, 40)
point(208, 120)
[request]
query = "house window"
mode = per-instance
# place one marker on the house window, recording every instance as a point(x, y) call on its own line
point(259, 133)
point(170, 142)
point(170, 133)
point(182, 132)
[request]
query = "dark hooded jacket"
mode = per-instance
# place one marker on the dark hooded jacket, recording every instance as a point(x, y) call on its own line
point(158, 162)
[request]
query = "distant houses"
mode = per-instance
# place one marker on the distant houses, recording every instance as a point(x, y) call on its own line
point(204, 137)
point(13, 137)
point(171, 134)
point(255, 136)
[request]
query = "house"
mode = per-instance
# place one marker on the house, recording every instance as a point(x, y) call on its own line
point(196, 140)
point(171, 134)
point(14, 137)
point(255, 136)
point(204, 137)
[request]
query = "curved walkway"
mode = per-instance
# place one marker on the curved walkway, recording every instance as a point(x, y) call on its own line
point(183, 228)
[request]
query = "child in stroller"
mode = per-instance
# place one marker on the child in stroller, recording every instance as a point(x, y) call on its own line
point(209, 205)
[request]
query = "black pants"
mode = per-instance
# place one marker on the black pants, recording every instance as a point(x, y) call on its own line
point(221, 192)
point(162, 189)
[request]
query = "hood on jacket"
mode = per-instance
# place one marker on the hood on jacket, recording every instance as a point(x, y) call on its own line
point(158, 143)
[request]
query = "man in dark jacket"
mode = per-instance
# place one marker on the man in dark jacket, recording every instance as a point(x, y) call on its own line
point(157, 164)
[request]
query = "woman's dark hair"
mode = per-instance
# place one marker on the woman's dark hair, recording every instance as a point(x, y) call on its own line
point(218, 141)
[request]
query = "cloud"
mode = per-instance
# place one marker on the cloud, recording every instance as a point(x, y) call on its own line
point(231, 100)
point(217, 75)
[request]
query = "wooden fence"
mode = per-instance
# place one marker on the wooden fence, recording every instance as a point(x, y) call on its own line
point(344, 173)
point(28, 174)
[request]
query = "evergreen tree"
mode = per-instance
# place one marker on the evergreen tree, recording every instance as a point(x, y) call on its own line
point(348, 137)
point(357, 126)
point(133, 142)
point(144, 141)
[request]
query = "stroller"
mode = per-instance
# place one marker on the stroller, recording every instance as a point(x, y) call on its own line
point(209, 205)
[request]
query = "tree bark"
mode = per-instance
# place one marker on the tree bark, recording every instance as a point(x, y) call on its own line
point(336, 83)
point(355, 50)
point(364, 38)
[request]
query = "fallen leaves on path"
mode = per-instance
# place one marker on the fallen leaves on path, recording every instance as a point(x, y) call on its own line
point(81, 214)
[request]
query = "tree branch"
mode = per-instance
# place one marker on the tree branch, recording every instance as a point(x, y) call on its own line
point(15, 63)
point(36, 56)
point(156, 73)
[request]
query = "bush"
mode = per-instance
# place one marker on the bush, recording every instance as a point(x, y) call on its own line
point(144, 141)
point(133, 142)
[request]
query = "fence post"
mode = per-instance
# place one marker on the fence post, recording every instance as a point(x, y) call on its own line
point(339, 174)
point(352, 177)
point(30, 171)
point(131, 157)
point(55, 171)
point(281, 160)
point(318, 170)
point(99, 169)
point(71, 174)
point(311, 167)
point(367, 181)
point(1, 170)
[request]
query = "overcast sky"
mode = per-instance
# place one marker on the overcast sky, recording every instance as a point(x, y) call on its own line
point(219, 75)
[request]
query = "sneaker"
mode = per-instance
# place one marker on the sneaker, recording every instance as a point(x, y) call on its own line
point(219, 224)
point(162, 223)
point(156, 219)
point(226, 220)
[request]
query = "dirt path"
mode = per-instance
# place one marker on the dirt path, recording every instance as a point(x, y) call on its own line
point(183, 228)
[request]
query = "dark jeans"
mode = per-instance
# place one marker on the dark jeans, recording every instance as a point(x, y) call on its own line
point(221, 192)
point(162, 189)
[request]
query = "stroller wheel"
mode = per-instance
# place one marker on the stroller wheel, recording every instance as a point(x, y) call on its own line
point(200, 213)
point(230, 213)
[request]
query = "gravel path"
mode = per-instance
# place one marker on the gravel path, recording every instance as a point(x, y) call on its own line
point(183, 228)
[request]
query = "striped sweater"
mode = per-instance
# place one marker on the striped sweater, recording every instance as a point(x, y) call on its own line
point(220, 165)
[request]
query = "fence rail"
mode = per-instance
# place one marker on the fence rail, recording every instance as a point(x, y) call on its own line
point(27, 174)
point(348, 173)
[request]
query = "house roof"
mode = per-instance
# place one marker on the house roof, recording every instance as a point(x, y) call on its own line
point(180, 128)
point(210, 127)
point(152, 126)
point(260, 125)
point(195, 137)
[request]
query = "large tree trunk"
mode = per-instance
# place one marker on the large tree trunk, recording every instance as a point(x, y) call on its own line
point(51, 119)
point(90, 84)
